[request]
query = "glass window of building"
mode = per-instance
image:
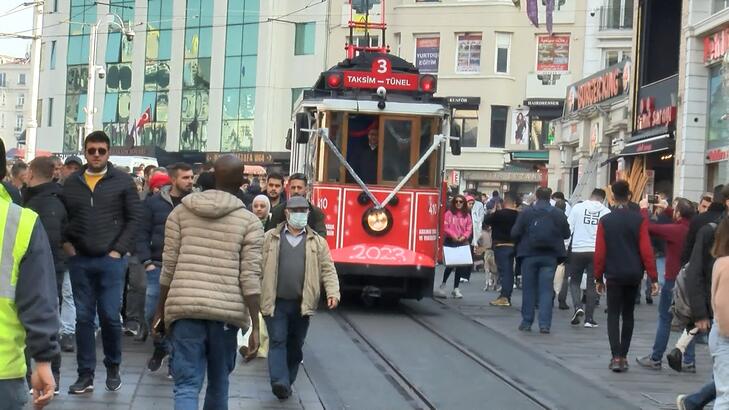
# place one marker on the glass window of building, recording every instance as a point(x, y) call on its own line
point(499, 116)
point(718, 115)
point(52, 59)
point(50, 112)
point(503, 49)
point(20, 100)
point(468, 54)
point(239, 76)
point(466, 122)
point(305, 38)
point(719, 5)
point(617, 15)
point(39, 112)
point(21, 79)
point(3, 78)
point(83, 14)
point(614, 56)
point(295, 94)
point(18, 122)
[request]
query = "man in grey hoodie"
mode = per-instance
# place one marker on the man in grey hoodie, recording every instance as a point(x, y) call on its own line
point(583, 220)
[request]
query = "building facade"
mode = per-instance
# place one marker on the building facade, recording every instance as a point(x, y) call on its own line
point(503, 78)
point(702, 149)
point(212, 76)
point(14, 99)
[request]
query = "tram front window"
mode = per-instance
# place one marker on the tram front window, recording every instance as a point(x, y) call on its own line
point(396, 149)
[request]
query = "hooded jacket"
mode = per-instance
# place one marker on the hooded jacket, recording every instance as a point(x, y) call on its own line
point(45, 200)
point(211, 259)
point(152, 229)
point(457, 224)
point(319, 271)
point(583, 220)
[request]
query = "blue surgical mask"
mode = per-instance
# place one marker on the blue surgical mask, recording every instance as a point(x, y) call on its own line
point(298, 220)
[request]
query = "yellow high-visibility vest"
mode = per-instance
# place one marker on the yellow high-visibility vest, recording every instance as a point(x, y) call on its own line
point(16, 225)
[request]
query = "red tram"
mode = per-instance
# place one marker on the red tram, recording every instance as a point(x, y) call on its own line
point(371, 137)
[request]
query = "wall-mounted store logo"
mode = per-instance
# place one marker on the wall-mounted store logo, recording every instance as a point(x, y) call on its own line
point(600, 87)
point(650, 116)
point(716, 46)
point(718, 154)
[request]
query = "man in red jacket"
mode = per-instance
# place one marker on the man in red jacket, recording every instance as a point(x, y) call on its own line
point(622, 252)
point(675, 236)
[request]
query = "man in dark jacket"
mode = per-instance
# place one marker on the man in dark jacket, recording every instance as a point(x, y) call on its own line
point(297, 187)
point(104, 212)
point(501, 221)
point(715, 211)
point(42, 195)
point(539, 232)
point(151, 243)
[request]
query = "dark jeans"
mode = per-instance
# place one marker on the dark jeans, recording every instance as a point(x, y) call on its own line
point(577, 265)
point(701, 398)
point(150, 303)
point(663, 332)
point(461, 272)
point(537, 282)
point(504, 256)
point(135, 292)
point(14, 394)
point(286, 333)
point(97, 285)
point(200, 346)
point(620, 303)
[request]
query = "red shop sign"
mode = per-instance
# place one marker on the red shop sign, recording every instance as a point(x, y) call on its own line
point(650, 116)
point(381, 75)
point(716, 45)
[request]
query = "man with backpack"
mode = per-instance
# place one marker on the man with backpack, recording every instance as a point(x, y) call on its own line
point(539, 232)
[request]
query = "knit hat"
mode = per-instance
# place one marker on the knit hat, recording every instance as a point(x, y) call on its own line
point(159, 180)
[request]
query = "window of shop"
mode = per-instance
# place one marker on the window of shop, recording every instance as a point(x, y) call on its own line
point(718, 118)
point(503, 49)
point(614, 56)
point(467, 123)
point(468, 55)
point(305, 39)
point(719, 5)
point(499, 115)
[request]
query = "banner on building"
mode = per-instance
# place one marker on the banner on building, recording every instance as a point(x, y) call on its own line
point(468, 57)
point(520, 127)
point(553, 54)
point(427, 50)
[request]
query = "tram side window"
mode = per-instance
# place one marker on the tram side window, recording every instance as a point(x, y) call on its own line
point(426, 139)
point(396, 150)
point(335, 134)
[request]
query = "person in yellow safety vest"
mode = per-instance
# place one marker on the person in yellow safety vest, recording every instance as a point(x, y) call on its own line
point(28, 304)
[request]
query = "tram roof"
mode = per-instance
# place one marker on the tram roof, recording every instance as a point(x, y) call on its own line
point(370, 107)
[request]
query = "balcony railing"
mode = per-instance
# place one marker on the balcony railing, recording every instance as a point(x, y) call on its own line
point(616, 18)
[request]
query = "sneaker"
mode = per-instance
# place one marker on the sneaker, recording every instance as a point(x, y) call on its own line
point(113, 379)
point(563, 306)
point(675, 359)
point(524, 327)
point(132, 328)
point(68, 342)
point(544, 330)
point(155, 362)
point(614, 365)
point(57, 380)
point(281, 391)
point(649, 300)
point(681, 402)
point(440, 292)
point(624, 364)
point(501, 301)
point(577, 317)
point(457, 294)
point(590, 323)
point(649, 363)
point(464, 280)
point(688, 368)
point(84, 384)
point(141, 337)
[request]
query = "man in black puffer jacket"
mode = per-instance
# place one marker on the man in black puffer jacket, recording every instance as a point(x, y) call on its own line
point(42, 195)
point(104, 213)
point(152, 240)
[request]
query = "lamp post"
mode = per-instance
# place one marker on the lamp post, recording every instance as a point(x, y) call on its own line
point(93, 69)
point(31, 130)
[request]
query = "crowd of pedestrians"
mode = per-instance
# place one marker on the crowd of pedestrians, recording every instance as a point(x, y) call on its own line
point(90, 249)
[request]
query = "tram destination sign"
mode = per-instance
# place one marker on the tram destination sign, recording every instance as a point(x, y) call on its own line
point(380, 75)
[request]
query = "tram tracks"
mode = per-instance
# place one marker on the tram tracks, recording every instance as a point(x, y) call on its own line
point(404, 376)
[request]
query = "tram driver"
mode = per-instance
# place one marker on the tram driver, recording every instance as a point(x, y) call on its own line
point(366, 164)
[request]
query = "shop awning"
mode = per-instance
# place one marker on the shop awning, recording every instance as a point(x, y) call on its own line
point(650, 145)
point(530, 156)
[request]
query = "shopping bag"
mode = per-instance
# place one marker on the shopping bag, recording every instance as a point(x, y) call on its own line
point(457, 256)
point(558, 278)
point(263, 338)
point(583, 283)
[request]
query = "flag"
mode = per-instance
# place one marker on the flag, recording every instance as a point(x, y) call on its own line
point(145, 118)
point(533, 12)
point(550, 12)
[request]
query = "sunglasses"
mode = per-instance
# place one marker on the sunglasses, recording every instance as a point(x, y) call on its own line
point(458, 201)
point(94, 151)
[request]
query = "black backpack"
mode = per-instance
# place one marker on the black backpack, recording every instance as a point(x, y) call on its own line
point(542, 231)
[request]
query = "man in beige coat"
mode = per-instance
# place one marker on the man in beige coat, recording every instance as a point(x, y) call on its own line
point(296, 263)
point(211, 272)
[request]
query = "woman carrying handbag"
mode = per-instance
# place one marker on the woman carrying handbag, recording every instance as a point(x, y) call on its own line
point(458, 228)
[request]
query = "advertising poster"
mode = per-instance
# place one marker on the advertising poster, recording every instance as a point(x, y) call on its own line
point(520, 127)
point(469, 53)
point(553, 54)
point(427, 50)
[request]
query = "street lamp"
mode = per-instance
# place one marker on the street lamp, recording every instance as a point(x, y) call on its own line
point(113, 20)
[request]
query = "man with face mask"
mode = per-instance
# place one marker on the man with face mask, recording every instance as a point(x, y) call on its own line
point(297, 187)
point(296, 263)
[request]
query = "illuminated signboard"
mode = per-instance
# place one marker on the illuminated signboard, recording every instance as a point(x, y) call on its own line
point(380, 75)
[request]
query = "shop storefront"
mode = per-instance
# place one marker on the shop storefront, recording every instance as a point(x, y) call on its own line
point(716, 59)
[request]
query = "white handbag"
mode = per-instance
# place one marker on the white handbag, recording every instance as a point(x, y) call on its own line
point(457, 256)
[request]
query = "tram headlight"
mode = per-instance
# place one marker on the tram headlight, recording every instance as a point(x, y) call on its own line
point(377, 222)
